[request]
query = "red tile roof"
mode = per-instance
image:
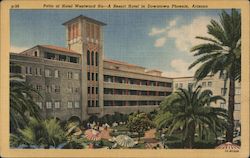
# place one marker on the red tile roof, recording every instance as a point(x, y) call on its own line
point(62, 49)
point(122, 63)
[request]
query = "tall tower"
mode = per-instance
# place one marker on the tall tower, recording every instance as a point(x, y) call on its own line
point(84, 35)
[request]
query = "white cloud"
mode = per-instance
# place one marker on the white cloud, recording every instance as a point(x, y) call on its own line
point(160, 42)
point(15, 49)
point(156, 31)
point(180, 69)
point(173, 22)
point(184, 35)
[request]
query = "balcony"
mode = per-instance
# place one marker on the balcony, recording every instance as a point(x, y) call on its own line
point(132, 97)
point(135, 87)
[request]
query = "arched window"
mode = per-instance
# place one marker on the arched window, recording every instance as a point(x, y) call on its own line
point(88, 57)
point(96, 59)
point(92, 58)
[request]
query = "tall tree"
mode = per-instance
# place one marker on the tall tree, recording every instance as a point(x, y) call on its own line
point(139, 122)
point(222, 55)
point(22, 105)
point(189, 110)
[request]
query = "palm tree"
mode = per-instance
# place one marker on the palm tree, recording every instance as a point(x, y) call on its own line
point(222, 54)
point(22, 104)
point(47, 133)
point(187, 111)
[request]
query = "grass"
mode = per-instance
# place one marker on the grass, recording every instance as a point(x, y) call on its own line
point(120, 128)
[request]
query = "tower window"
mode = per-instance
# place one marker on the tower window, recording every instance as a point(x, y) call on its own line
point(96, 59)
point(88, 57)
point(88, 75)
point(92, 58)
point(96, 76)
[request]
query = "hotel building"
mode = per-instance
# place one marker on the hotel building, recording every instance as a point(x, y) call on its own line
point(78, 81)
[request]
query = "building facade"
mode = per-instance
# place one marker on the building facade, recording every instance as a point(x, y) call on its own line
point(78, 81)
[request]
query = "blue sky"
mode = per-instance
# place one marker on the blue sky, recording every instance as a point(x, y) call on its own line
point(156, 39)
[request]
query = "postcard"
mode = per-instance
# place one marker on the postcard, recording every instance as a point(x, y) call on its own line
point(124, 78)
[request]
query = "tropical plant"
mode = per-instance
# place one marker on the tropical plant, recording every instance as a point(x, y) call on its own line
point(222, 54)
point(139, 122)
point(187, 110)
point(45, 134)
point(22, 105)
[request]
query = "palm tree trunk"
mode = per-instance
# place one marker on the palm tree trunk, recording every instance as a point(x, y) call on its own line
point(189, 141)
point(230, 128)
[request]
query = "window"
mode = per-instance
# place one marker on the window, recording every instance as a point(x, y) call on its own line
point(73, 59)
point(237, 90)
point(40, 105)
point(48, 89)
point(76, 76)
point(93, 103)
point(237, 106)
point(209, 84)
point(89, 103)
point(15, 69)
point(49, 55)
point(47, 73)
point(88, 90)
point(35, 54)
point(108, 103)
point(57, 105)
point(38, 87)
point(96, 90)
point(70, 75)
point(203, 84)
point(96, 76)
point(223, 105)
point(38, 72)
point(223, 91)
point(70, 105)
point(62, 57)
point(88, 57)
point(93, 77)
point(92, 58)
point(97, 103)
point(93, 90)
point(56, 73)
point(28, 70)
point(168, 84)
point(89, 76)
point(48, 105)
point(77, 105)
point(57, 88)
point(96, 59)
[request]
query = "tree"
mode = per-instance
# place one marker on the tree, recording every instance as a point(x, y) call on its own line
point(188, 110)
point(139, 122)
point(22, 104)
point(222, 54)
point(47, 133)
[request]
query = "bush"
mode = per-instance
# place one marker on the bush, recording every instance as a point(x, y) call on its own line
point(130, 134)
point(177, 144)
point(204, 145)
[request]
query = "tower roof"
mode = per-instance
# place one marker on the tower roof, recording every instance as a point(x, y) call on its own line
point(85, 18)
